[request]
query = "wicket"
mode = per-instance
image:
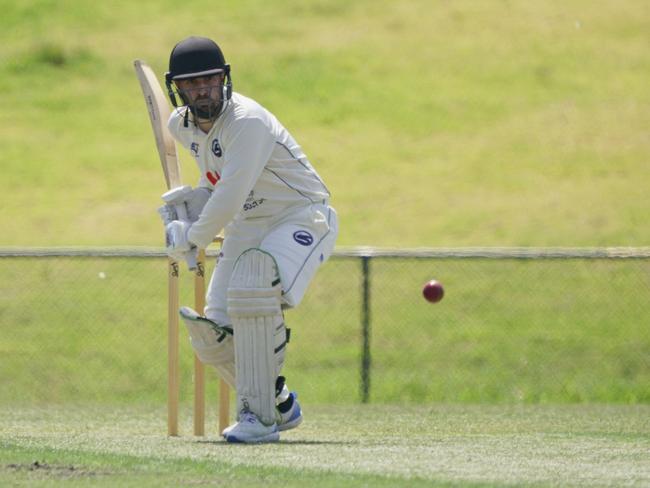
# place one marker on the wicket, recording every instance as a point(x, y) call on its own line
point(173, 387)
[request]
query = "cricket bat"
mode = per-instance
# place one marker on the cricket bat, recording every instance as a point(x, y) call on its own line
point(159, 112)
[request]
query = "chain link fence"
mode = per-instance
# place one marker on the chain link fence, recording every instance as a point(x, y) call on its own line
point(515, 326)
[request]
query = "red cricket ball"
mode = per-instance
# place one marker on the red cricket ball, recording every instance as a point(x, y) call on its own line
point(433, 291)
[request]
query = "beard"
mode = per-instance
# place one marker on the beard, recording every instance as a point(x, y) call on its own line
point(206, 108)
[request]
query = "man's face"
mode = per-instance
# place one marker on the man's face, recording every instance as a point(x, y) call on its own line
point(203, 93)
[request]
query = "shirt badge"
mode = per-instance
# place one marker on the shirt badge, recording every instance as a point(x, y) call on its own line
point(216, 148)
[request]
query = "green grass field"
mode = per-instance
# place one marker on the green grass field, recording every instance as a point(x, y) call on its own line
point(543, 382)
point(434, 124)
point(374, 446)
point(507, 332)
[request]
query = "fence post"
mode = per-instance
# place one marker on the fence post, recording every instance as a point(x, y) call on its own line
point(365, 329)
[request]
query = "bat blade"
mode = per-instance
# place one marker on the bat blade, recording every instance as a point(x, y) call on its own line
point(158, 109)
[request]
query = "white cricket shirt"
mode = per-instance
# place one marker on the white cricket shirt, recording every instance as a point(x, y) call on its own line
point(252, 163)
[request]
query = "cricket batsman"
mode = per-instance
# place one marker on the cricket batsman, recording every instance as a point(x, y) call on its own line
point(259, 187)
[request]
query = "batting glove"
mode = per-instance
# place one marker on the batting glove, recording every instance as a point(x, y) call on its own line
point(192, 203)
point(176, 239)
point(195, 202)
point(168, 214)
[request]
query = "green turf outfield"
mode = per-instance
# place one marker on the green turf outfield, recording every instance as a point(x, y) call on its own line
point(337, 446)
point(433, 123)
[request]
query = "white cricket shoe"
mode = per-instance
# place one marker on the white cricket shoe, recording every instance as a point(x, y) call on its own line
point(292, 418)
point(288, 420)
point(249, 429)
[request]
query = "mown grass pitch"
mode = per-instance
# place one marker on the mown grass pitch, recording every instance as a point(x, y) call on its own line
point(336, 446)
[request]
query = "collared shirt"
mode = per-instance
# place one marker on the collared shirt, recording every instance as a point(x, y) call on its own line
point(253, 165)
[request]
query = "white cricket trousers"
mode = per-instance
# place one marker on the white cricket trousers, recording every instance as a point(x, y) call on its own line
point(300, 240)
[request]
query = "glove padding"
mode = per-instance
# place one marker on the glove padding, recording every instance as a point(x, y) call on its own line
point(176, 239)
point(168, 214)
point(194, 203)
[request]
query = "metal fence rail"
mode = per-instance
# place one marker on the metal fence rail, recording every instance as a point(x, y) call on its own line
point(516, 325)
point(361, 251)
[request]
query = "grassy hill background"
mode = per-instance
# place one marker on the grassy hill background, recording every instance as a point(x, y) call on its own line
point(433, 123)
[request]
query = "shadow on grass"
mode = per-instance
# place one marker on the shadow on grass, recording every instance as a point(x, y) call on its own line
point(222, 442)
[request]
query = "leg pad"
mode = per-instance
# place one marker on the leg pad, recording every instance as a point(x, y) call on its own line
point(260, 337)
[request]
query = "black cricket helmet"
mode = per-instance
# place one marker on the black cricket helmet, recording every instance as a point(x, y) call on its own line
point(194, 57)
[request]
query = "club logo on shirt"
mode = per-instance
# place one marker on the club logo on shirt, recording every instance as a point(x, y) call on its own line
point(194, 149)
point(216, 148)
point(213, 177)
point(303, 238)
